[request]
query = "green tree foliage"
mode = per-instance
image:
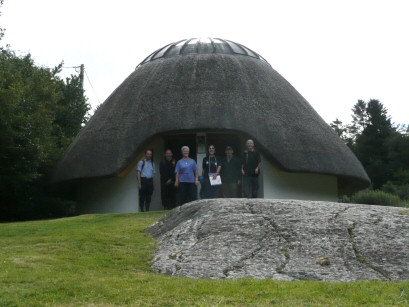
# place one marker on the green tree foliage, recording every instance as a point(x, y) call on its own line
point(1, 29)
point(401, 190)
point(359, 119)
point(374, 129)
point(382, 148)
point(343, 131)
point(40, 114)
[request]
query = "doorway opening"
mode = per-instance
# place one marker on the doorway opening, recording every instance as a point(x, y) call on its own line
point(195, 141)
point(222, 140)
point(199, 143)
point(176, 141)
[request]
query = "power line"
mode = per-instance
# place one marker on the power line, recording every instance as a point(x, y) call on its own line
point(92, 86)
point(78, 69)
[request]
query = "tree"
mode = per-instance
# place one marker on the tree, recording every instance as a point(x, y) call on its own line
point(398, 158)
point(359, 119)
point(339, 128)
point(39, 115)
point(1, 29)
point(343, 131)
point(382, 149)
point(371, 144)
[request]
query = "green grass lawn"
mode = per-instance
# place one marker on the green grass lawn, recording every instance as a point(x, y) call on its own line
point(103, 260)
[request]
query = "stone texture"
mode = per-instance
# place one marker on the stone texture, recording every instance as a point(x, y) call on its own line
point(283, 240)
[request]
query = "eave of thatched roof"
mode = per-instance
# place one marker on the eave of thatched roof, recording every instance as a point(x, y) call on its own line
point(209, 91)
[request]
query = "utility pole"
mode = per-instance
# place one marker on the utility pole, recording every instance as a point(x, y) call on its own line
point(82, 76)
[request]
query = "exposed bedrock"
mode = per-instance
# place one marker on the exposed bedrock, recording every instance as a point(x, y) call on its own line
point(283, 240)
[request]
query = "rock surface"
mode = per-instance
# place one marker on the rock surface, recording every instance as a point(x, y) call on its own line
point(283, 240)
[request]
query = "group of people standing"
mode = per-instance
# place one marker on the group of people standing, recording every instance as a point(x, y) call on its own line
point(221, 176)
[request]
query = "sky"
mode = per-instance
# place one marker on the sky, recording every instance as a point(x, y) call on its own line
point(333, 52)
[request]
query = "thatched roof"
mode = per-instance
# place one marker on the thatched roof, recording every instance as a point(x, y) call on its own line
point(209, 85)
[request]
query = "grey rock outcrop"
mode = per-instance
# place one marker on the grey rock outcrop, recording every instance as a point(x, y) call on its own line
point(283, 240)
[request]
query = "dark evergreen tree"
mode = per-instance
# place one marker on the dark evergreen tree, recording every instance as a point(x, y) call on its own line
point(398, 158)
point(371, 145)
point(382, 148)
point(359, 119)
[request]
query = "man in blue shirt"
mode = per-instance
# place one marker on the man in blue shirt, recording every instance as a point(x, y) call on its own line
point(145, 172)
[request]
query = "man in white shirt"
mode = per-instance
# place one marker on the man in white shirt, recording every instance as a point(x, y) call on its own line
point(145, 172)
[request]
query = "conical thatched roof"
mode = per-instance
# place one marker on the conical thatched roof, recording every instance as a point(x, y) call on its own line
point(209, 85)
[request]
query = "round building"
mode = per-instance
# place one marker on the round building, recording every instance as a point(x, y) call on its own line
point(198, 92)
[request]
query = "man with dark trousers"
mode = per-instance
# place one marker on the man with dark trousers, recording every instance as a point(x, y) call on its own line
point(230, 173)
point(167, 180)
point(145, 172)
point(250, 169)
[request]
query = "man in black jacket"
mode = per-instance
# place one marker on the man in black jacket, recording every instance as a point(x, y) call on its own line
point(250, 169)
point(167, 180)
point(230, 174)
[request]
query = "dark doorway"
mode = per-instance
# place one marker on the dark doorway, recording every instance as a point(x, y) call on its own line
point(221, 140)
point(177, 141)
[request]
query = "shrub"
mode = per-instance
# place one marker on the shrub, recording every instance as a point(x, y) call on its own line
point(344, 199)
point(402, 190)
point(377, 197)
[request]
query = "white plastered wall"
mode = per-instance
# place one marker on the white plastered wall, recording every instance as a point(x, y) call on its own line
point(109, 195)
point(120, 194)
point(304, 186)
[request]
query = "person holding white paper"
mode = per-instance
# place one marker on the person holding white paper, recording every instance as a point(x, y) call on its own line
point(211, 172)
